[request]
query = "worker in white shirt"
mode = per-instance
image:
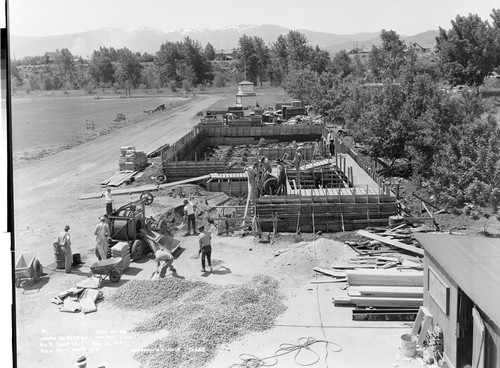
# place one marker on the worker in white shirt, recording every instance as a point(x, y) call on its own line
point(189, 217)
point(164, 260)
point(109, 201)
point(331, 143)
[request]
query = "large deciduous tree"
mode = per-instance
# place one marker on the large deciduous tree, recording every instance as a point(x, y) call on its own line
point(102, 68)
point(469, 50)
point(387, 59)
point(129, 69)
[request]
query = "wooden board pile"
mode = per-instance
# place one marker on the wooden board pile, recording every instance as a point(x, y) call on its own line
point(385, 279)
point(121, 249)
point(132, 159)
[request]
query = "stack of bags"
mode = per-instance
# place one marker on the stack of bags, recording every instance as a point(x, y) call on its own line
point(132, 159)
point(122, 250)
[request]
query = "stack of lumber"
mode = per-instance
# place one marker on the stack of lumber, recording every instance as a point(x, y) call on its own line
point(384, 281)
point(394, 289)
point(121, 249)
point(132, 159)
point(399, 239)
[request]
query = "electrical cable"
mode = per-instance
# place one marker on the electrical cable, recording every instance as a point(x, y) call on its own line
point(304, 343)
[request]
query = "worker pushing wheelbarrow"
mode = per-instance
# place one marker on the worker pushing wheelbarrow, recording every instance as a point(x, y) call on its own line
point(107, 267)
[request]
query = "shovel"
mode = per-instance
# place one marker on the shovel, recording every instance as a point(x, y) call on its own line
point(181, 226)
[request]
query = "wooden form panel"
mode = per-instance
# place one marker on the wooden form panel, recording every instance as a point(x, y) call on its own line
point(232, 188)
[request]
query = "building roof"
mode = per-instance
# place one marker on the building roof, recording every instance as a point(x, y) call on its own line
point(245, 82)
point(473, 263)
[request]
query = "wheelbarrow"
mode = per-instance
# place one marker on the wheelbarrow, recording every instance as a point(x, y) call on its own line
point(107, 268)
point(28, 267)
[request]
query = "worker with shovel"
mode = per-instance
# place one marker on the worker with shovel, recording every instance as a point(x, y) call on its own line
point(205, 240)
point(164, 260)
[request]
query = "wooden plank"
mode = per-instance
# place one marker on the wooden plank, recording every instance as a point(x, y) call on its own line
point(388, 291)
point(362, 301)
point(394, 243)
point(368, 315)
point(385, 278)
point(329, 272)
point(327, 281)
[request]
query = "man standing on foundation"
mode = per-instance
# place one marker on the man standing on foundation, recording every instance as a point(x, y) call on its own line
point(298, 160)
point(281, 177)
point(189, 217)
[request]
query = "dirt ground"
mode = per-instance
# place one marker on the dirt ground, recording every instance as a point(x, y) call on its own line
point(46, 196)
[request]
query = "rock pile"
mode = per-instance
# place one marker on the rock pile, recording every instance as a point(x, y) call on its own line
point(199, 316)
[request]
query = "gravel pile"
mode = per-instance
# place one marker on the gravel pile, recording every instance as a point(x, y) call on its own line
point(206, 317)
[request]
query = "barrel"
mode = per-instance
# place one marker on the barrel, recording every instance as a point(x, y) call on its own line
point(396, 220)
point(59, 255)
point(408, 345)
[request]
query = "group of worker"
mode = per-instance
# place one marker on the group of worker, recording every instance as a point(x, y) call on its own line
point(101, 233)
point(164, 258)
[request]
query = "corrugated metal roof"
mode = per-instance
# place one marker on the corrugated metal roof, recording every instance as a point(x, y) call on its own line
point(473, 263)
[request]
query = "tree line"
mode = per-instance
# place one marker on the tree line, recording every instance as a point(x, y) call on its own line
point(392, 100)
point(395, 105)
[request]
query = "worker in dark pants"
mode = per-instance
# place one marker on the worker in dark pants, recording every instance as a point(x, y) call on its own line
point(109, 201)
point(297, 162)
point(281, 177)
point(205, 251)
point(331, 143)
point(189, 217)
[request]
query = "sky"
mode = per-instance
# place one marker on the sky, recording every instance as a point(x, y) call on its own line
point(405, 17)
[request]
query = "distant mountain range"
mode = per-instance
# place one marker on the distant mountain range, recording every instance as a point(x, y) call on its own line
point(144, 39)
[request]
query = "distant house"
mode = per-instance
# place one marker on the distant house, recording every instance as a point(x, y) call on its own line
point(225, 55)
point(245, 95)
point(419, 48)
point(50, 57)
point(359, 51)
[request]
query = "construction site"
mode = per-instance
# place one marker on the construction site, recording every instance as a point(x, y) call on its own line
point(316, 260)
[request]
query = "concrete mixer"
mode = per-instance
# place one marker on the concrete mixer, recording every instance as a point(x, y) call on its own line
point(126, 223)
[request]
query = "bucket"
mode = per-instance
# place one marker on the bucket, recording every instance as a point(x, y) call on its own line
point(408, 345)
point(77, 258)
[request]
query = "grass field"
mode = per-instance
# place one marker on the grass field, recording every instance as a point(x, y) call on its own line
point(44, 124)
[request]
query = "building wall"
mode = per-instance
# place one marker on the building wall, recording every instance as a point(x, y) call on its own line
point(245, 88)
point(245, 100)
point(448, 323)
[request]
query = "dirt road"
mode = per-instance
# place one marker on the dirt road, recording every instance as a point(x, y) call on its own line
point(46, 191)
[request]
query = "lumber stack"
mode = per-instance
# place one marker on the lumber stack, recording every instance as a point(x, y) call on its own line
point(393, 289)
point(398, 239)
point(121, 249)
point(132, 159)
point(385, 279)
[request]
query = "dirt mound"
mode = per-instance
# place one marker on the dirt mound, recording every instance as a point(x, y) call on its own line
point(298, 260)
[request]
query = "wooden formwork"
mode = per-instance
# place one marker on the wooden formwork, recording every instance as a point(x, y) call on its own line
point(328, 210)
point(180, 170)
